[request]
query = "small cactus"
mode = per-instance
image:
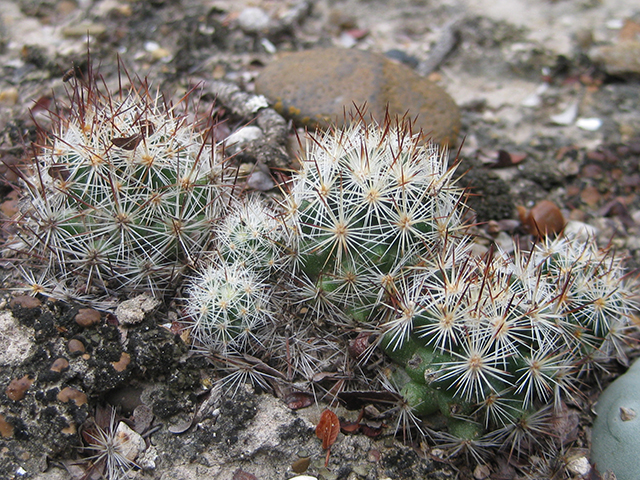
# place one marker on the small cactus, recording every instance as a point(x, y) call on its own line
point(368, 203)
point(226, 308)
point(252, 235)
point(123, 195)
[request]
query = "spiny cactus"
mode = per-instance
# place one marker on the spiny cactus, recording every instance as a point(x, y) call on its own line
point(252, 235)
point(122, 196)
point(227, 306)
point(367, 203)
point(515, 340)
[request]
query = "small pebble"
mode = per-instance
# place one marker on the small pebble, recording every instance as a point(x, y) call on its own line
point(301, 465)
point(68, 394)
point(121, 365)
point(17, 388)
point(6, 429)
point(481, 472)
point(131, 444)
point(241, 137)
point(134, 310)
point(25, 301)
point(580, 231)
point(83, 29)
point(579, 466)
point(545, 218)
point(260, 181)
point(9, 96)
point(568, 116)
point(621, 59)
point(75, 346)
point(87, 317)
point(589, 124)
point(59, 365)
point(253, 20)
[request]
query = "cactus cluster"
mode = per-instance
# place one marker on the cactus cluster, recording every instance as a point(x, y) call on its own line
point(370, 234)
point(122, 196)
point(373, 231)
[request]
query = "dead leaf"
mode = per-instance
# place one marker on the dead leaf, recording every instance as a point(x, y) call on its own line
point(127, 143)
point(328, 428)
point(327, 431)
point(298, 400)
point(240, 474)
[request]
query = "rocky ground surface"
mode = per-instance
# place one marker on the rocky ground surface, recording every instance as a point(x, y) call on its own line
point(549, 99)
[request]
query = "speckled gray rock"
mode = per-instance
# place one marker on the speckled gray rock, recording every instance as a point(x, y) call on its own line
point(616, 431)
point(134, 310)
point(315, 87)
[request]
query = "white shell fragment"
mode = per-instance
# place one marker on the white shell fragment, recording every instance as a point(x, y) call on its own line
point(131, 443)
point(589, 124)
point(535, 100)
point(568, 116)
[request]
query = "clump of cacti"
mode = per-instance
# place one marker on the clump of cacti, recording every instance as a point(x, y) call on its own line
point(122, 196)
point(373, 235)
point(370, 233)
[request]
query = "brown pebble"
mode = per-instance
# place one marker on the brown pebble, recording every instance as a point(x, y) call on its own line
point(301, 465)
point(70, 429)
point(75, 346)
point(590, 196)
point(545, 218)
point(6, 429)
point(59, 365)
point(87, 317)
point(121, 365)
point(71, 394)
point(25, 301)
point(315, 87)
point(18, 387)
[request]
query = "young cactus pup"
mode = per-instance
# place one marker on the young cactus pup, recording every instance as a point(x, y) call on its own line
point(121, 197)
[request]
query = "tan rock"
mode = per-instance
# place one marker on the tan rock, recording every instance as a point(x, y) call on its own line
point(315, 87)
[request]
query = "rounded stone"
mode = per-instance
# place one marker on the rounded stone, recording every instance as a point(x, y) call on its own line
point(316, 87)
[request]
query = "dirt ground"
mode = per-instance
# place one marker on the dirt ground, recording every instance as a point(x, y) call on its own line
point(550, 85)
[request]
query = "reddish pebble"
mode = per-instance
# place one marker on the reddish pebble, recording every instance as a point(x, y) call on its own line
point(18, 388)
point(87, 317)
point(545, 218)
point(590, 196)
point(59, 365)
point(122, 364)
point(25, 301)
point(71, 394)
point(75, 346)
point(6, 429)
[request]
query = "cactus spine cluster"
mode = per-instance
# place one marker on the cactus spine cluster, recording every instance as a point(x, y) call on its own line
point(123, 195)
